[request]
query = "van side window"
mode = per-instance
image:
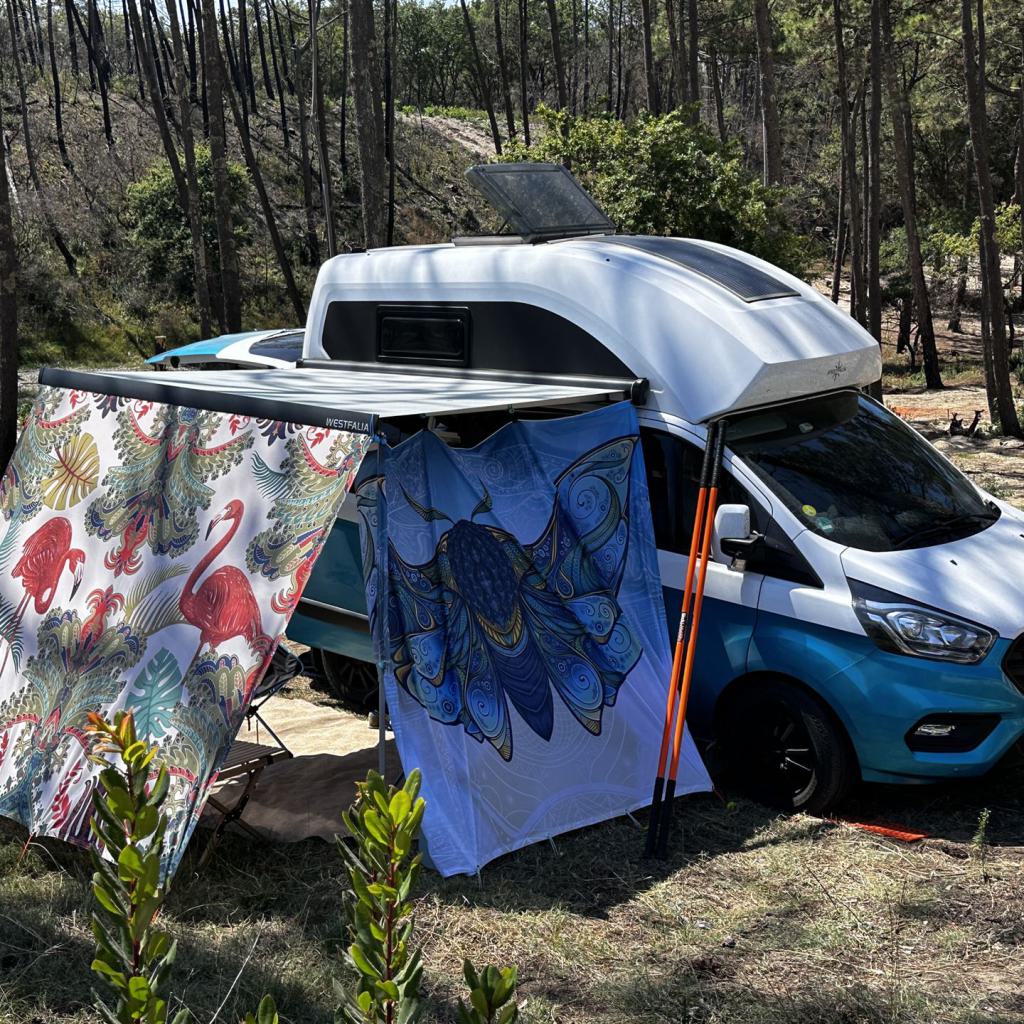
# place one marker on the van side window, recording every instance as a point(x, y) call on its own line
point(673, 478)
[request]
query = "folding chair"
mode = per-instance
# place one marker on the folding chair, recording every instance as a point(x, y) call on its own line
point(247, 759)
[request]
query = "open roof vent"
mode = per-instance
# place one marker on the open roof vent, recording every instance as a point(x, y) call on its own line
point(540, 201)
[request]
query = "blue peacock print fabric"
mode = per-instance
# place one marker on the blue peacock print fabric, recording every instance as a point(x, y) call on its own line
point(516, 603)
point(150, 558)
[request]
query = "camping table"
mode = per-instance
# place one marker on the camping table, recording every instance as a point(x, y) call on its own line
point(248, 759)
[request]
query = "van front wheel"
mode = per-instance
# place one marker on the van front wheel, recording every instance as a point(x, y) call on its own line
point(785, 748)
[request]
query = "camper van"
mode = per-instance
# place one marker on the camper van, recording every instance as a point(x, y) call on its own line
point(864, 610)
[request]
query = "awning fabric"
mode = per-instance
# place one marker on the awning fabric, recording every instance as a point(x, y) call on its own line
point(515, 597)
point(150, 558)
point(353, 399)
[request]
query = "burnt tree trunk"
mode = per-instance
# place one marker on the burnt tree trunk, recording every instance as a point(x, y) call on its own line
point(556, 52)
point(369, 113)
point(230, 284)
point(483, 82)
point(524, 62)
point(326, 195)
point(997, 358)
point(58, 101)
point(873, 219)
point(506, 87)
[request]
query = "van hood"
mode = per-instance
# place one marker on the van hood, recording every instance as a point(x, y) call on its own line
point(980, 578)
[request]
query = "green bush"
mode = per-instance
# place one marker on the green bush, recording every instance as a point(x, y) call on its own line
point(491, 996)
point(384, 822)
point(160, 229)
point(665, 176)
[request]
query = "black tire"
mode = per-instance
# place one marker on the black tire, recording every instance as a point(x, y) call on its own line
point(352, 682)
point(785, 748)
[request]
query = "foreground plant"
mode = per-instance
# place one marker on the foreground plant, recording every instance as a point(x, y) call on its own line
point(491, 993)
point(384, 822)
point(132, 956)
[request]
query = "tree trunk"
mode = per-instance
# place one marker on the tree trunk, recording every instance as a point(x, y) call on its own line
point(693, 59)
point(33, 171)
point(900, 105)
point(650, 73)
point(231, 292)
point(524, 68)
point(312, 242)
point(58, 103)
point(200, 264)
point(245, 50)
point(261, 43)
point(343, 127)
point(874, 152)
point(716, 86)
point(368, 102)
point(282, 106)
point(506, 87)
point(261, 191)
point(848, 142)
point(556, 50)
point(326, 196)
point(390, 57)
point(8, 314)
point(72, 44)
point(481, 76)
point(677, 53)
point(997, 382)
point(839, 255)
point(772, 141)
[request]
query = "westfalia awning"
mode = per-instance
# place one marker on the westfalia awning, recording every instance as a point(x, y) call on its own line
point(343, 396)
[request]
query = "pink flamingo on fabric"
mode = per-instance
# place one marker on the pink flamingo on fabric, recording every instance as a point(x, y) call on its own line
point(224, 606)
point(45, 556)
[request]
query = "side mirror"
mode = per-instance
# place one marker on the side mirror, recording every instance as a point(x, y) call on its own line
point(733, 538)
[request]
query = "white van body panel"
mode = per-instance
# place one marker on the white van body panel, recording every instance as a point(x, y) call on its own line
point(979, 578)
point(704, 350)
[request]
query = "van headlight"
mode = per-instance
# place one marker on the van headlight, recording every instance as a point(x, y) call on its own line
point(903, 627)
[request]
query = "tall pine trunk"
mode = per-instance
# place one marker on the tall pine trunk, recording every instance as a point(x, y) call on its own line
point(8, 315)
point(506, 87)
point(369, 112)
point(900, 106)
point(849, 148)
point(556, 52)
point(483, 82)
point(323, 153)
point(200, 262)
point(997, 356)
point(874, 153)
point(524, 64)
point(230, 283)
point(772, 140)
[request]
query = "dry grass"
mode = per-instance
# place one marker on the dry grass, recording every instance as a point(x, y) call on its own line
point(755, 919)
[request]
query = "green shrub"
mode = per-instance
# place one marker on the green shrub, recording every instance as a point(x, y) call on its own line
point(384, 822)
point(491, 994)
point(132, 956)
point(160, 229)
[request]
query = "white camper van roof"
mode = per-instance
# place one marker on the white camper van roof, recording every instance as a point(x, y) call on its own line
point(713, 329)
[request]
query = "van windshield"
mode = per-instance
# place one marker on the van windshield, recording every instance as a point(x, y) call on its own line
point(854, 473)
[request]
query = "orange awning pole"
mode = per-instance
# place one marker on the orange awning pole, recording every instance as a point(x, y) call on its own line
point(681, 643)
point(691, 644)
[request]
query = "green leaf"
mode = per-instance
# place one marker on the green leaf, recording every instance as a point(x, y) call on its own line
point(362, 964)
point(373, 824)
point(389, 988)
point(267, 1012)
point(129, 865)
point(138, 988)
point(400, 806)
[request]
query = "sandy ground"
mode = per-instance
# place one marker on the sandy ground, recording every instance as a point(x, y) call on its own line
point(302, 797)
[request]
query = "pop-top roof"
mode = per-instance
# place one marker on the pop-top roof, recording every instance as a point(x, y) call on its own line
point(343, 399)
point(539, 201)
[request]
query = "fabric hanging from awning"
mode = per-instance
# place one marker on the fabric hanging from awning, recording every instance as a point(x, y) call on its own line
point(515, 595)
point(150, 558)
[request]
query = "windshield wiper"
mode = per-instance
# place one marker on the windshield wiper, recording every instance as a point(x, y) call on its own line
point(944, 525)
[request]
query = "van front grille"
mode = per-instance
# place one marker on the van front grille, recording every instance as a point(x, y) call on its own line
point(1013, 663)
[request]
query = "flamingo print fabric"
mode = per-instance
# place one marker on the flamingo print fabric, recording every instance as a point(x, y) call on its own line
point(515, 596)
point(150, 558)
